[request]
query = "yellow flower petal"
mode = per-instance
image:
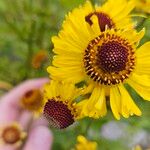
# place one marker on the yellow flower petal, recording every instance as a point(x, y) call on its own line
point(84, 144)
point(143, 6)
point(141, 84)
point(63, 47)
point(143, 59)
point(128, 107)
point(129, 7)
point(115, 102)
point(95, 26)
point(88, 8)
point(95, 106)
point(67, 61)
point(88, 89)
point(136, 36)
point(118, 12)
point(111, 8)
point(101, 103)
point(67, 74)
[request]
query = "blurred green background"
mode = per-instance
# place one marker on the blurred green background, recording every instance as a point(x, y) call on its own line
point(26, 28)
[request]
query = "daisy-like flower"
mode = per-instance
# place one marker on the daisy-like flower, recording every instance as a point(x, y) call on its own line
point(137, 147)
point(33, 101)
point(143, 5)
point(105, 60)
point(84, 144)
point(12, 134)
point(110, 15)
point(60, 108)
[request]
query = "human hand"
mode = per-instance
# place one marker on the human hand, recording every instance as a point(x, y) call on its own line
point(38, 135)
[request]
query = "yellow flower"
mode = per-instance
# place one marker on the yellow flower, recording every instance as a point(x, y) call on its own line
point(60, 108)
point(105, 60)
point(110, 15)
point(143, 5)
point(33, 101)
point(84, 144)
point(12, 134)
point(137, 147)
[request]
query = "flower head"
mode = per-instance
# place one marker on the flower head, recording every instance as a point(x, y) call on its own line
point(12, 134)
point(105, 60)
point(84, 144)
point(109, 15)
point(60, 108)
point(137, 147)
point(33, 101)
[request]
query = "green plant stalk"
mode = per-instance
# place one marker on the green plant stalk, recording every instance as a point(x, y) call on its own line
point(30, 44)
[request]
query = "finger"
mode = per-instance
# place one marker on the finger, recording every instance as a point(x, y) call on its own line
point(39, 122)
point(9, 106)
point(6, 147)
point(25, 119)
point(15, 94)
point(39, 138)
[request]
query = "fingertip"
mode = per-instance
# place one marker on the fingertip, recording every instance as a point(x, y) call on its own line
point(9, 103)
point(17, 92)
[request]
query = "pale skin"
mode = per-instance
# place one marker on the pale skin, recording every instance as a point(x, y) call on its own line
point(38, 135)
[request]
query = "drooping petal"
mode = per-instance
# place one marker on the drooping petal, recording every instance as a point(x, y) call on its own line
point(128, 107)
point(95, 106)
point(101, 103)
point(115, 101)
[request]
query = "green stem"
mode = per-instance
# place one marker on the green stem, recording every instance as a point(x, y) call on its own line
point(41, 34)
point(27, 131)
point(87, 128)
point(92, 1)
point(30, 43)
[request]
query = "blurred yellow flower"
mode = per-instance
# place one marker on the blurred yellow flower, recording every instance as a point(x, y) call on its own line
point(12, 134)
point(39, 58)
point(143, 5)
point(106, 60)
point(138, 147)
point(84, 144)
point(33, 101)
point(60, 108)
point(109, 15)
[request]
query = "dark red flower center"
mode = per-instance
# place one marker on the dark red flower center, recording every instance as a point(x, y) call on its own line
point(103, 20)
point(32, 100)
point(28, 93)
point(11, 135)
point(58, 114)
point(112, 57)
point(109, 59)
